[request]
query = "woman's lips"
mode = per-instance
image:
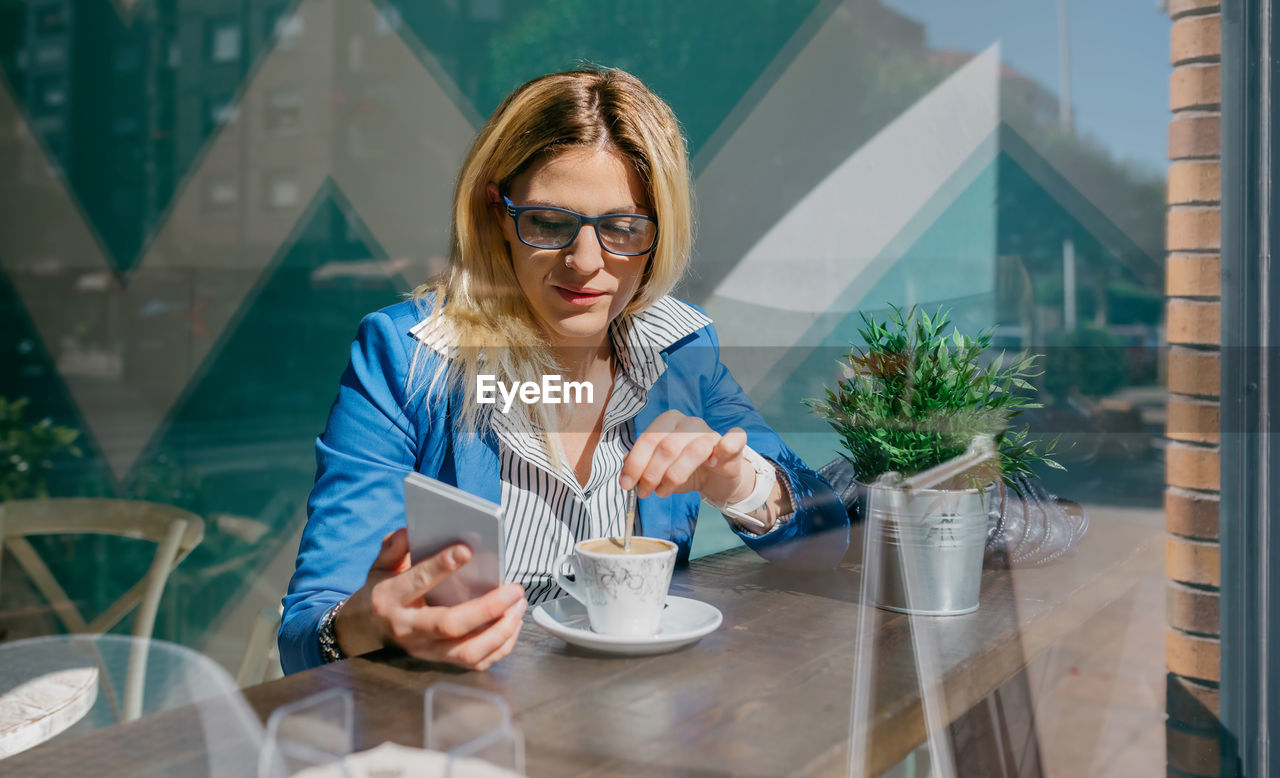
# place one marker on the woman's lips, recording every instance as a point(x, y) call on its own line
point(578, 296)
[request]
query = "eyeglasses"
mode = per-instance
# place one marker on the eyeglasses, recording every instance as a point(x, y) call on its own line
point(547, 227)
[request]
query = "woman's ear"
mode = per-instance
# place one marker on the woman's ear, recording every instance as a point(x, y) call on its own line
point(494, 197)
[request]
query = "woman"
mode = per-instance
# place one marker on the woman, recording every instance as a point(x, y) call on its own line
point(572, 222)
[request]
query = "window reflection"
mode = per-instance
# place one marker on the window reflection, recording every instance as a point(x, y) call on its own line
point(284, 112)
point(196, 175)
point(223, 38)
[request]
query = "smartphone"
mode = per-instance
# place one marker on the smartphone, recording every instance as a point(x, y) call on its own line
point(439, 515)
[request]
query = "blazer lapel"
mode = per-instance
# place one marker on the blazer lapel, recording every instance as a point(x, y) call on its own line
point(476, 460)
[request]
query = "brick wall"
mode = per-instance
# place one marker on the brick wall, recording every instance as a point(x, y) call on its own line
point(1193, 286)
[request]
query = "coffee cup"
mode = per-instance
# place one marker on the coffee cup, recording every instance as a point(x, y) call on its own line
point(624, 591)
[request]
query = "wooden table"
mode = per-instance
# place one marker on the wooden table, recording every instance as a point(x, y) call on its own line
point(766, 694)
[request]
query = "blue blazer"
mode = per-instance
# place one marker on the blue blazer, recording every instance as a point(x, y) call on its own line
point(378, 431)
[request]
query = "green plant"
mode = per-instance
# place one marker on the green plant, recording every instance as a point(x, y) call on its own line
point(1129, 303)
point(1085, 361)
point(28, 451)
point(915, 396)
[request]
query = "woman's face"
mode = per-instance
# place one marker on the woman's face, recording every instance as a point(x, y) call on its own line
point(577, 290)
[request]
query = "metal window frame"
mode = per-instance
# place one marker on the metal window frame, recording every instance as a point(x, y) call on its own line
point(1249, 508)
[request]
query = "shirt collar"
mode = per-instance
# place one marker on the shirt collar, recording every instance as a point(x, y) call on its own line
point(640, 338)
point(435, 333)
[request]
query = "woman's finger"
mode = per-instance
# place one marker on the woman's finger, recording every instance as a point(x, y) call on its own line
point(475, 648)
point(729, 447)
point(461, 620)
point(689, 432)
point(412, 584)
point(637, 460)
point(665, 453)
point(505, 649)
point(682, 469)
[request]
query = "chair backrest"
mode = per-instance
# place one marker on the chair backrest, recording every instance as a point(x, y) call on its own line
point(261, 659)
point(174, 531)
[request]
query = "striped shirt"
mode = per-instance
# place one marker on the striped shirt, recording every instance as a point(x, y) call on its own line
point(546, 511)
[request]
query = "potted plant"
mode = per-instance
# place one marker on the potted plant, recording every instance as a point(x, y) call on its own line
point(915, 396)
point(28, 451)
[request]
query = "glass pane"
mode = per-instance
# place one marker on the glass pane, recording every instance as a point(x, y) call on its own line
point(201, 201)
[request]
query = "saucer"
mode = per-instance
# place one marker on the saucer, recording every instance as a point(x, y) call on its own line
point(684, 621)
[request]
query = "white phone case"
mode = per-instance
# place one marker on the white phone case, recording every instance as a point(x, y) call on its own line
point(439, 515)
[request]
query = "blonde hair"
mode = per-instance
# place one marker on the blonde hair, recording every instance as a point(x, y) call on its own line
point(478, 300)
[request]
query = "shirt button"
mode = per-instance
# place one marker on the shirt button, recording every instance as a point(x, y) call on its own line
point(587, 494)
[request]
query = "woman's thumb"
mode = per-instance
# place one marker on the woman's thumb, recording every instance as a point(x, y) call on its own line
point(394, 551)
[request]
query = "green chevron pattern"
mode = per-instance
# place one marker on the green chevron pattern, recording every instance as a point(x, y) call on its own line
point(129, 109)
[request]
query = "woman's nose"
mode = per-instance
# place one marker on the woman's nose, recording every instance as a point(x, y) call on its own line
point(585, 254)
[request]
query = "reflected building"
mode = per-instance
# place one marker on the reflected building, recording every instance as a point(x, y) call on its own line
point(250, 153)
point(45, 61)
point(895, 33)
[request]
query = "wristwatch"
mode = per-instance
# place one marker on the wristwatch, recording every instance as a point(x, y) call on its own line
point(766, 477)
point(330, 651)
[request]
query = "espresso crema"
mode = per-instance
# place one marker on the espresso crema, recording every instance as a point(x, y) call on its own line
point(614, 546)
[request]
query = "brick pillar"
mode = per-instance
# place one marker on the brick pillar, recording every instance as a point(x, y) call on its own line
point(1193, 288)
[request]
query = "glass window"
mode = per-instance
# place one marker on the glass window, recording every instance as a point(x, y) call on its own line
point(52, 91)
point(1044, 176)
point(219, 111)
point(283, 114)
point(282, 190)
point(221, 193)
point(223, 40)
point(289, 30)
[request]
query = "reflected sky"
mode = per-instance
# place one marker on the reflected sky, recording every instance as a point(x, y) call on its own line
point(1119, 60)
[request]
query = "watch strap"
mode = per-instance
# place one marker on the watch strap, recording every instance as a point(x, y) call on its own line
point(330, 651)
point(766, 477)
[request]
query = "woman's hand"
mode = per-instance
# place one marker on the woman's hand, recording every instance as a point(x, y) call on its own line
point(389, 610)
point(680, 453)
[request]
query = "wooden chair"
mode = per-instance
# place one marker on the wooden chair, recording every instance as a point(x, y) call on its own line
point(261, 659)
point(174, 531)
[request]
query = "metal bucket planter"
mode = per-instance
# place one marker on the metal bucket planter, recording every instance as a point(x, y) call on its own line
point(929, 547)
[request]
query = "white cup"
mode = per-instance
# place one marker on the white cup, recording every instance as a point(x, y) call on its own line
point(624, 593)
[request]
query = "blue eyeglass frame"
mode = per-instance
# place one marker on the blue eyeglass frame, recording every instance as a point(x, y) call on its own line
point(514, 212)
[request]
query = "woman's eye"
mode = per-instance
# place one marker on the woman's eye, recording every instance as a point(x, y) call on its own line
point(622, 229)
point(550, 223)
